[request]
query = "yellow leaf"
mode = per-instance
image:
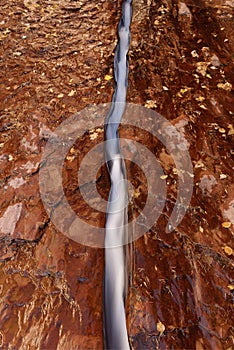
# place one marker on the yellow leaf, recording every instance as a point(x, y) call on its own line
point(160, 327)
point(93, 136)
point(108, 77)
point(7, 31)
point(226, 86)
point(72, 93)
point(137, 193)
point(70, 158)
point(231, 129)
point(202, 67)
point(200, 98)
point(150, 104)
point(228, 250)
point(226, 224)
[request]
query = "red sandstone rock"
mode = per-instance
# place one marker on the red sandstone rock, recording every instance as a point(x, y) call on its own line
point(54, 60)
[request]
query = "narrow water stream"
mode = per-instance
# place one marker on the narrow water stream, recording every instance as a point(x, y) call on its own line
point(115, 280)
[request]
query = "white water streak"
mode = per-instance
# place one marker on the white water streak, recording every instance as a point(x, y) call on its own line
point(115, 281)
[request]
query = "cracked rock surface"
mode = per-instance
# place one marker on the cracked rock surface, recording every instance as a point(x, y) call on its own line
point(56, 59)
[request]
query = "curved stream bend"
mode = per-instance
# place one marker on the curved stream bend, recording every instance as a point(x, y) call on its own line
point(115, 279)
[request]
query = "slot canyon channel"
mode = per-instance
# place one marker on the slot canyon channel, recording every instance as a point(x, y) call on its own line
point(56, 58)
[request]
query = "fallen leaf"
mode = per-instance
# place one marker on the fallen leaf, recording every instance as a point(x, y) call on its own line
point(72, 93)
point(202, 67)
point(181, 92)
point(72, 150)
point(150, 104)
point(160, 327)
point(7, 31)
point(231, 129)
point(194, 53)
point(137, 193)
point(108, 77)
point(226, 224)
point(200, 98)
point(202, 106)
point(17, 53)
point(226, 86)
point(70, 158)
point(93, 136)
point(228, 250)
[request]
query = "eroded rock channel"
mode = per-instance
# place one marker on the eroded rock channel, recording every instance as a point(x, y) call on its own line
point(57, 59)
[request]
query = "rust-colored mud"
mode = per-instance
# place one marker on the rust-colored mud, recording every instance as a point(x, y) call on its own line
point(57, 58)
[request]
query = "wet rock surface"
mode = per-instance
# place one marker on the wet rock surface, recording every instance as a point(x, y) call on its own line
point(56, 59)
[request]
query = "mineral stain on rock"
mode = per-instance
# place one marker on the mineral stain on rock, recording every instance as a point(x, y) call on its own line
point(55, 57)
point(10, 218)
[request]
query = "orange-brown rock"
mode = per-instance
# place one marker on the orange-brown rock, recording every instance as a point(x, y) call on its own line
point(57, 58)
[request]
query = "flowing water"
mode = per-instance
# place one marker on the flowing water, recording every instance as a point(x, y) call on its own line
point(115, 279)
